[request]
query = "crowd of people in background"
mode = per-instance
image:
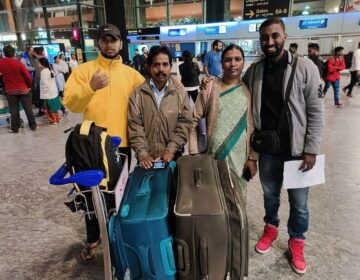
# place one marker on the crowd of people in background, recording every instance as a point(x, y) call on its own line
point(32, 81)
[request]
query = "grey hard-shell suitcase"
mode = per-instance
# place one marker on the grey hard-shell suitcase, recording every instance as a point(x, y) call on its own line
point(211, 232)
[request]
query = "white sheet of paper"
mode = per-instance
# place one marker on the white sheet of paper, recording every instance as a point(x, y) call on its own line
point(295, 178)
point(120, 186)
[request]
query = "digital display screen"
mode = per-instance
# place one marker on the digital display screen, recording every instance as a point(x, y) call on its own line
point(177, 54)
point(177, 32)
point(313, 23)
point(211, 30)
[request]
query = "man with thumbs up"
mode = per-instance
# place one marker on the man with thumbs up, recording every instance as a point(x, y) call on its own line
point(101, 89)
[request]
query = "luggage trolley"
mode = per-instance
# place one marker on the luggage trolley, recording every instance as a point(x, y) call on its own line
point(91, 180)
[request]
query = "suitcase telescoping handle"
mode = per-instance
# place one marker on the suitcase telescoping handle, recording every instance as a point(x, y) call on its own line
point(198, 177)
point(204, 269)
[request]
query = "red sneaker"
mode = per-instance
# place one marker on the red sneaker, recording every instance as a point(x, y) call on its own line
point(297, 260)
point(269, 236)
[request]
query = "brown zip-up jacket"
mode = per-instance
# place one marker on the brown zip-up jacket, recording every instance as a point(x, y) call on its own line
point(153, 131)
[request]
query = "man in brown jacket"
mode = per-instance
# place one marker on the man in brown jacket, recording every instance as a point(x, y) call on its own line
point(159, 116)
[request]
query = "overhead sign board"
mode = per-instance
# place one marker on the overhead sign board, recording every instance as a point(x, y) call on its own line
point(258, 9)
point(213, 30)
point(254, 27)
point(177, 32)
point(144, 31)
point(313, 23)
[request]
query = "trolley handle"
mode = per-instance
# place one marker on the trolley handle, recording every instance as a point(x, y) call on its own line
point(88, 178)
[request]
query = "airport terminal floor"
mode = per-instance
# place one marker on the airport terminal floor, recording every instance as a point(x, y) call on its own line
point(40, 238)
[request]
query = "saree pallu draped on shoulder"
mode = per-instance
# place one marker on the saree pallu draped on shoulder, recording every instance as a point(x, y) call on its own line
point(229, 138)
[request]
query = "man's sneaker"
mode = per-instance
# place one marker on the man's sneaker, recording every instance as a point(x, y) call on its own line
point(13, 131)
point(269, 236)
point(296, 251)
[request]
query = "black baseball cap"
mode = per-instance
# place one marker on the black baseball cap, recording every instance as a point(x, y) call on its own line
point(109, 29)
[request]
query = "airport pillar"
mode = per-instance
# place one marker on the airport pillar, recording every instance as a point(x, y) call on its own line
point(21, 45)
point(215, 11)
point(115, 14)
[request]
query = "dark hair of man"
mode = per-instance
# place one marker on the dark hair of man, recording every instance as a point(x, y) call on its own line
point(314, 46)
point(45, 62)
point(38, 50)
point(231, 47)
point(55, 57)
point(28, 48)
point(156, 50)
point(143, 48)
point(188, 57)
point(9, 51)
point(271, 21)
point(215, 43)
point(338, 49)
point(294, 45)
point(136, 50)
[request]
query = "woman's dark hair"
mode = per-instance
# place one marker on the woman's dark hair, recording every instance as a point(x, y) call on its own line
point(9, 51)
point(45, 62)
point(188, 57)
point(156, 50)
point(39, 50)
point(231, 47)
point(55, 57)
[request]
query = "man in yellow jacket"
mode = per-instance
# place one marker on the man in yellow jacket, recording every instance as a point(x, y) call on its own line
point(101, 89)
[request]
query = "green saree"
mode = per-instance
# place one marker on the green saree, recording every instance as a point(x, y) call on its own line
point(228, 141)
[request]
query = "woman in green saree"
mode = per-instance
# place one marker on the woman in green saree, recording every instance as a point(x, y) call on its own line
point(226, 107)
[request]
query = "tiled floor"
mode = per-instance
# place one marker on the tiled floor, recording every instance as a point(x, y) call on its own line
point(40, 238)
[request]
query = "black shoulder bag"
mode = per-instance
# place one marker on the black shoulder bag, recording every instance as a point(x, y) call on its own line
point(268, 142)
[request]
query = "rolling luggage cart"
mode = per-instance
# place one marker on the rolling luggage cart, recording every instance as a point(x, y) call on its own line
point(81, 204)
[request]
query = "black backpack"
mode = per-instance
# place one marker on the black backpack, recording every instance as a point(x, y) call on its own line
point(90, 147)
point(348, 58)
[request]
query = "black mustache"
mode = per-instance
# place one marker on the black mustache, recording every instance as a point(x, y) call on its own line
point(159, 74)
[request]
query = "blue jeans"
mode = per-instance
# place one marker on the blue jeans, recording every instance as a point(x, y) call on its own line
point(271, 169)
point(336, 87)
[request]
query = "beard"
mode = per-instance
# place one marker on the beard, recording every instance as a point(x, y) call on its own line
point(109, 56)
point(276, 53)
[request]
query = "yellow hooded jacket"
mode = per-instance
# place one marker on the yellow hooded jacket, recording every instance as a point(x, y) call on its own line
point(107, 107)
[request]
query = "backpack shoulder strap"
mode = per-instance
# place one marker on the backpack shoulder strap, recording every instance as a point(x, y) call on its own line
point(85, 127)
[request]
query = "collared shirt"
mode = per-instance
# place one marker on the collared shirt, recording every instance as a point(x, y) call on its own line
point(159, 94)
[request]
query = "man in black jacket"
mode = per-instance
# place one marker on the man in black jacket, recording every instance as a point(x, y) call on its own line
point(314, 55)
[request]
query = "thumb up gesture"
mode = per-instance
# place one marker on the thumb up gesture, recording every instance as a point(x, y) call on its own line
point(99, 81)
